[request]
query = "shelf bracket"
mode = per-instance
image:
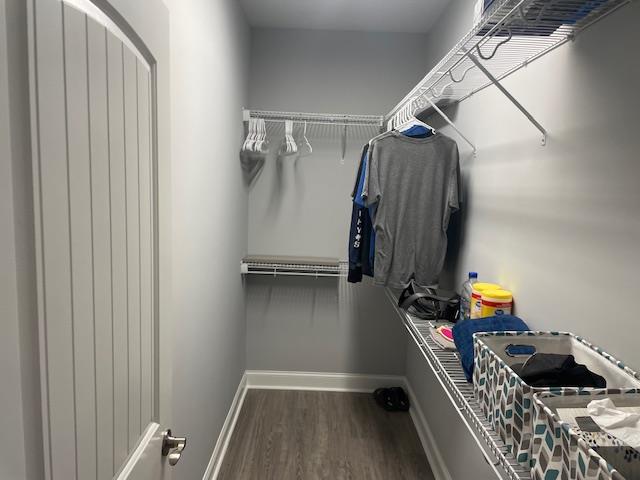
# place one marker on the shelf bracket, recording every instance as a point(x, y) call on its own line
point(500, 87)
point(448, 120)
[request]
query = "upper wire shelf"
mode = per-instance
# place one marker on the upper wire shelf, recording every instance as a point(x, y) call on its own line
point(511, 34)
point(315, 118)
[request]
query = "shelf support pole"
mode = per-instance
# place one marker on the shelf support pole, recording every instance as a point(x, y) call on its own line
point(448, 120)
point(520, 107)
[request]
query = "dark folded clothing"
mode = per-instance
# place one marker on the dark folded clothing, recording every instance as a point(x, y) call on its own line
point(557, 370)
point(463, 335)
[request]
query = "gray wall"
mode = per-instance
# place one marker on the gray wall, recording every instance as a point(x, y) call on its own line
point(559, 224)
point(321, 325)
point(302, 206)
point(20, 419)
point(209, 72)
point(451, 436)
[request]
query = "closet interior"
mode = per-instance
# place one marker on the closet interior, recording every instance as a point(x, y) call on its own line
point(365, 239)
point(491, 65)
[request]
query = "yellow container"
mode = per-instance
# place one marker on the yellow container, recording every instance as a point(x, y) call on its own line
point(496, 302)
point(476, 297)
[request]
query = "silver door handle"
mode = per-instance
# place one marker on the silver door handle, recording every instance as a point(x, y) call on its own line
point(172, 446)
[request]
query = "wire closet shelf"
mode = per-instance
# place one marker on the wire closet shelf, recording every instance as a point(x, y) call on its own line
point(315, 118)
point(447, 368)
point(293, 269)
point(511, 34)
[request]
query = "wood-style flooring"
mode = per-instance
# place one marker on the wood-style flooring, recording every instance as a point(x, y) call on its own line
point(284, 435)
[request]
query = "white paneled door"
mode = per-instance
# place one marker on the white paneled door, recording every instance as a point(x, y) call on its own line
point(94, 105)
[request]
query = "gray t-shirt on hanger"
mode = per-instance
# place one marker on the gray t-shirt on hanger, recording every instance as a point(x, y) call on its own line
point(415, 184)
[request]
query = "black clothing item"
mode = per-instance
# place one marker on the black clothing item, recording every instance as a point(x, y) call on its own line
point(359, 244)
point(429, 303)
point(556, 370)
point(365, 149)
point(360, 234)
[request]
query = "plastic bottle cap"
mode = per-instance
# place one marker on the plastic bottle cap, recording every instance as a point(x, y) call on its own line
point(473, 274)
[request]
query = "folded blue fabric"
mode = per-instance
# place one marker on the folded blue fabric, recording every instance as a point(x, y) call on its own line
point(463, 335)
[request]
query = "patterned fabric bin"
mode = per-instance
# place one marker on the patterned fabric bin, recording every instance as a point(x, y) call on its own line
point(507, 402)
point(561, 452)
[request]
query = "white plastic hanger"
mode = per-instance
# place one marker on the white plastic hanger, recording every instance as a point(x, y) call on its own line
point(289, 146)
point(248, 143)
point(306, 148)
point(409, 120)
point(294, 145)
point(257, 146)
point(256, 140)
point(261, 143)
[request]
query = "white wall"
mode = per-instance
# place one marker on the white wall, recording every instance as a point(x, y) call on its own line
point(209, 71)
point(20, 419)
point(559, 225)
point(303, 207)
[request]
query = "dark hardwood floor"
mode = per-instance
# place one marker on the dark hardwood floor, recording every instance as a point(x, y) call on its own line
point(286, 435)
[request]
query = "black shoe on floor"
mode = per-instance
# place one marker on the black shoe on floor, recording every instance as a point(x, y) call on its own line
point(392, 399)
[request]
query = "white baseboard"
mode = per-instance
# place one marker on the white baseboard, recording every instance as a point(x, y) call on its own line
point(215, 462)
point(336, 382)
point(438, 467)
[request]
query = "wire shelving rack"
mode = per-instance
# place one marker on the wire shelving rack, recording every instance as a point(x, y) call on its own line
point(447, 368)
point(284, 268)
point(315, 118)
point(511, 34)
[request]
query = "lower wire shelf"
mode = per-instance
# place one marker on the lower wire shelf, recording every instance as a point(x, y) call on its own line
point(298, 266)
point(448, 370)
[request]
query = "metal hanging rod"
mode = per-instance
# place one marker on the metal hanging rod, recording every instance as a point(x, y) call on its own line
point(511, 34)
point(315, 118)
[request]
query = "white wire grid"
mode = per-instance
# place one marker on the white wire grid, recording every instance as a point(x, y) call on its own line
point(511, 34)
point(321, 132)
point(447, 368)
point(276, 269)
point(317, 118)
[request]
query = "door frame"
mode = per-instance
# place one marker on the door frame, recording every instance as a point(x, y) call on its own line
point(149, 34)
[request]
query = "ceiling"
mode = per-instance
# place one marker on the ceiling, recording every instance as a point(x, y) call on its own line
point(409, 16)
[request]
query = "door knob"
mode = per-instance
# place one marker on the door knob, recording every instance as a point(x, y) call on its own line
point(172, 446)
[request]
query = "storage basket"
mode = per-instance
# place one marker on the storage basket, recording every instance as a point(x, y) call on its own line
point(559, 451)
point(507, 401)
